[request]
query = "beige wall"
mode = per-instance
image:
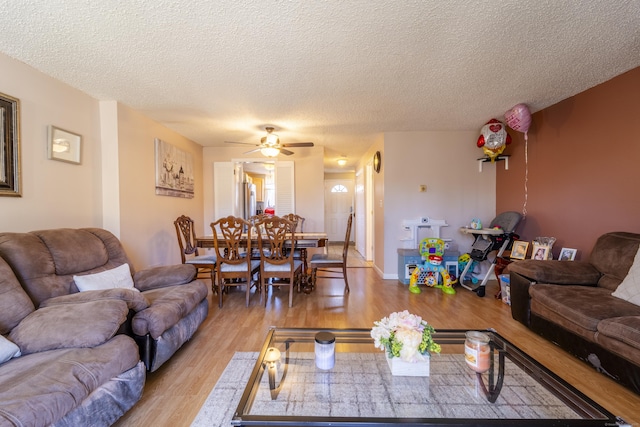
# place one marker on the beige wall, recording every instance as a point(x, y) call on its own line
point(54, 194)
point(146, 219)
point(309, 182)
point(583, 167)
point(456, 192)
point(340, 175)
point(57, 194)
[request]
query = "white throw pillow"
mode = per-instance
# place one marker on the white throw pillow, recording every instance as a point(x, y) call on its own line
point(629, 289)
point(119, 277)
point(8, 349)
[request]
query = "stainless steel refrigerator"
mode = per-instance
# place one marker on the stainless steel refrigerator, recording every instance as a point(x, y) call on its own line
point(249, 200)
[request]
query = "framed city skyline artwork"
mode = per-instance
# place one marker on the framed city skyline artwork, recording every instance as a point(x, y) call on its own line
point(174, 171)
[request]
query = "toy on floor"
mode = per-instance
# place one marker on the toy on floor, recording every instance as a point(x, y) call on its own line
point(432, 250)
point(465, 259)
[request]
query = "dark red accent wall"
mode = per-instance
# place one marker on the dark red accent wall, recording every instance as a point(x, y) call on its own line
point(584, 167)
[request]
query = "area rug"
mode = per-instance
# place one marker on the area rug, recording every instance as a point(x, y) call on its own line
point(223, 400)
point(356, 388)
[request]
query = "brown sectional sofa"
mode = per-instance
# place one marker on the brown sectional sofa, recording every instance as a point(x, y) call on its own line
point(571, 304)
point(84, 355)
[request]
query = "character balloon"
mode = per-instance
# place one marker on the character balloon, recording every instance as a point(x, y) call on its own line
point(493, 139)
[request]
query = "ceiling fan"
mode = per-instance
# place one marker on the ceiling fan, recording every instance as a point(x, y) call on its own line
point(270, 145)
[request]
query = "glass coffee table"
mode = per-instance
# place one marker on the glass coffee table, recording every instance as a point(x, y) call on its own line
point(359, 389)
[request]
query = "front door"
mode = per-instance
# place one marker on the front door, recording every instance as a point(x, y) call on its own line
point(338, 196)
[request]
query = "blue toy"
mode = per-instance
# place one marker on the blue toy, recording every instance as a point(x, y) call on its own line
point(432, 250)
point(463, 260)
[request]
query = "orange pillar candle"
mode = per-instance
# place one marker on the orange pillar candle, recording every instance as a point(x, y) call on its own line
point(477, 352)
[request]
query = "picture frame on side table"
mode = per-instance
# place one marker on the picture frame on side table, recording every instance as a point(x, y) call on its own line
point(567, 254)
point(64, 146)
point(540, 252)
point(519, 249)
point(10, 177)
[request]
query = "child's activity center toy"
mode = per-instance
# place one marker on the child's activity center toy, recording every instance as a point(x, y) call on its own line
point(432, 273)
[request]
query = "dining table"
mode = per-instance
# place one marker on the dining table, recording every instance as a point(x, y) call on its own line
point(304, 241)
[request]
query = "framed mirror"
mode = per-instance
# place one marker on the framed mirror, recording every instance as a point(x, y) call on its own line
point(9, 146)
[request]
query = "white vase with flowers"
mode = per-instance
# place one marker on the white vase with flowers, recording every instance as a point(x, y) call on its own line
point(407, 342)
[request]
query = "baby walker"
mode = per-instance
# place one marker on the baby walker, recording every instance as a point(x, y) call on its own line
point(432, 270)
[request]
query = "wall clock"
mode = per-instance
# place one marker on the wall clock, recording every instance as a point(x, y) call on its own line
point(377, 162)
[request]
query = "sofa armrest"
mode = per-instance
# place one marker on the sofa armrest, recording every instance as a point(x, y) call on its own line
point(557, 272)
point(81, 325)
point(163, 276)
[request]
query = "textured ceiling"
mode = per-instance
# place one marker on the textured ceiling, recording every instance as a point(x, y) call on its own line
point(338, 73)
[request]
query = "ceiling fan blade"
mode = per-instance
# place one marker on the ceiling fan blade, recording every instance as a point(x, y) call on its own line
point(242, 143)
point(298, 144)
point(252, 151)
point(286, 152)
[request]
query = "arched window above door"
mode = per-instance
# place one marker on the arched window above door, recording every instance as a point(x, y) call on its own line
point(339, 189)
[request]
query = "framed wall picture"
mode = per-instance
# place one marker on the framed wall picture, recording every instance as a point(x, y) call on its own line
point(568, 254)
point(540, 251)
point(64, 146)
point(10, 178)
point(519, 249)
point(174, 171)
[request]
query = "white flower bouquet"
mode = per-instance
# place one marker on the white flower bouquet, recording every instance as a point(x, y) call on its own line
point(404, 335)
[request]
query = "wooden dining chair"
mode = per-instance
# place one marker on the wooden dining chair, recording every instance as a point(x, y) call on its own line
point(189, 253)
point(234, 266)
point(255, 219)
point(327, 263)
point(297, 220)
point(278, 236)
point(299, 253)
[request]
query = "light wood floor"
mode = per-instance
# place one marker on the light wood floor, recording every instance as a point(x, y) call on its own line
point(174, 393)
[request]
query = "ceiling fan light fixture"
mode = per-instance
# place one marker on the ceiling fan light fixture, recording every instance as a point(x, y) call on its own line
point(272, 139)
point(270, 151)
point(342, 161)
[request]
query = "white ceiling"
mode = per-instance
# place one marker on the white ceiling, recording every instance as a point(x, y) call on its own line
point(338, 73)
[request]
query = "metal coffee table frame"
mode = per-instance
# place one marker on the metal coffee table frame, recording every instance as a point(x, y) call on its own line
point(593, 414)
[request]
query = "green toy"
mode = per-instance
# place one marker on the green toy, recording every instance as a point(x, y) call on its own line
point(432, 250)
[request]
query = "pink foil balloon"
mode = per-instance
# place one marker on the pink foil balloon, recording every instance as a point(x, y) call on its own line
point(518, 118)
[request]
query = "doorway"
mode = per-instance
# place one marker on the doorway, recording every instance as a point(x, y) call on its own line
point(338, 197)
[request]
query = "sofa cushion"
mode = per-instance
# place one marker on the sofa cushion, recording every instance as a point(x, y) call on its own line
point(86, 324)
point(583, 306)
point(119, 277)
point(47, 271)
point(613, 255)
point(629, 289)
point(15, 304)
point(167, 306)
point(39, 389)
point(74, 250)
point(8, 350)
point(135, 299)
point(625, 329)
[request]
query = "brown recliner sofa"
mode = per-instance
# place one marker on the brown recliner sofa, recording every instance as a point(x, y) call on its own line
point(82, 355)
point(571, 304)
point(65, 364)
point(46, 261)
